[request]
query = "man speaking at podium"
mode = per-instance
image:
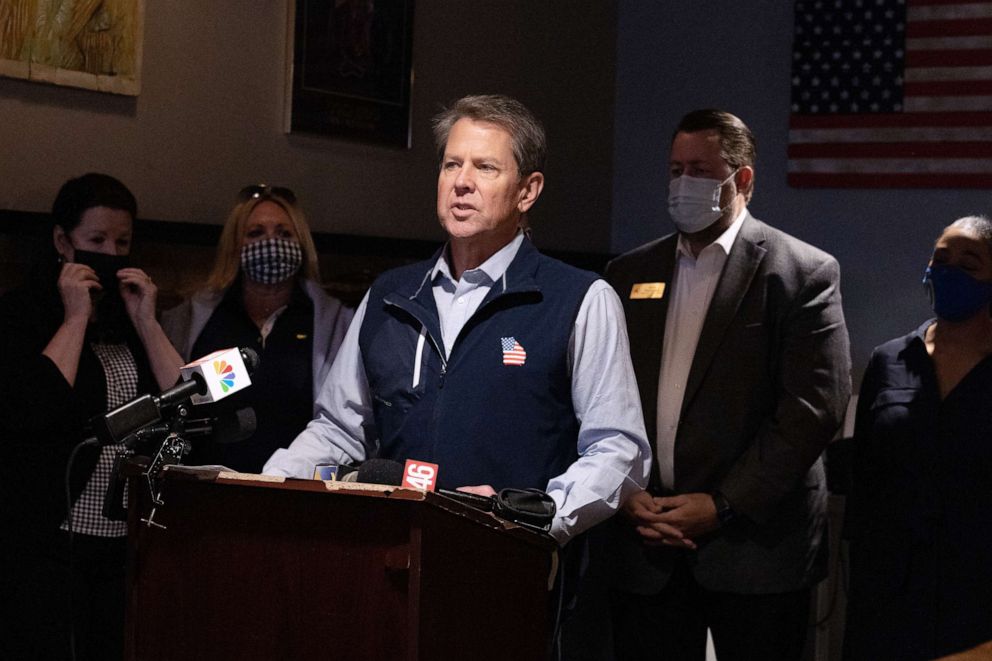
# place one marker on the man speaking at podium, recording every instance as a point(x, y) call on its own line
point(504, 367)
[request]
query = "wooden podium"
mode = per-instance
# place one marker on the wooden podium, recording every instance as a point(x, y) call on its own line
point(241, 566)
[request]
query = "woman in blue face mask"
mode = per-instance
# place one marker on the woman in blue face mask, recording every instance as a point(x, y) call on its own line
point(919, 517)
point(263, 292)
point(79, 338)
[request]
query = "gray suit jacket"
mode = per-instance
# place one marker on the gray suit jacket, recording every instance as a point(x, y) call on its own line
point(767, 390)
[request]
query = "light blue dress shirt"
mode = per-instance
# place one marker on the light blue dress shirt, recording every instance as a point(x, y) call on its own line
point(614, 455)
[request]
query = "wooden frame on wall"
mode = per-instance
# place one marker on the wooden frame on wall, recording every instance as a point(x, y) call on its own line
point(352, 69)
point(95, 45)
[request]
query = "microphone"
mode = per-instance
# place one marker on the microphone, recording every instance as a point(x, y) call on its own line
point(207, 379)
point(387, 471)
point(529, 507)
point(222, 373)
point(228, 427)
point(380, 471)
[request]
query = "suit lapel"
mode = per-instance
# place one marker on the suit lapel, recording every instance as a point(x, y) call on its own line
point(742, 263)
point(646, 327)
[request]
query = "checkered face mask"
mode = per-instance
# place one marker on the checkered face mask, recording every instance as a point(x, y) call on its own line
point(271, 260)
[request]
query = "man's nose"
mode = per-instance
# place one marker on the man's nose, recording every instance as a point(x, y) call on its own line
point(465, 181)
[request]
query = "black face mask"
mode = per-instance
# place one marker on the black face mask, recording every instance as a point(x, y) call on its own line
point(106, 266)
point(111, 315)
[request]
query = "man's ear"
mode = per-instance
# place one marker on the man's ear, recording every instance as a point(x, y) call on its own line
point(530, 190)
point(745, 180)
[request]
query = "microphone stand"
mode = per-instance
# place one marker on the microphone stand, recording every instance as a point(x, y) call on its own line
point(171, 452)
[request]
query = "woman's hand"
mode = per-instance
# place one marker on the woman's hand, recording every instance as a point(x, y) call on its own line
point(75, 283)
point(139, 294)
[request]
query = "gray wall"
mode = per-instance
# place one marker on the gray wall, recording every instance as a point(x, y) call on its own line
point(676, 56)
point(209, 118)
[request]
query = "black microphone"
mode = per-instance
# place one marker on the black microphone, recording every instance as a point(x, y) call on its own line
point(530, 507)
point(232, 427)
point(381, 471)
point(228, 427)
point(116, 425)
point(388, 471)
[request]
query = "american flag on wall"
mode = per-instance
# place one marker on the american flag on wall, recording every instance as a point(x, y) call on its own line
point(891, 94)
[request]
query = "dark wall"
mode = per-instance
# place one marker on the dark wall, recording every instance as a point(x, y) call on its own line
point(676, 56)
point(210, 115)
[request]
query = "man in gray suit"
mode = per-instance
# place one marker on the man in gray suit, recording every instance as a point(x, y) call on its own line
point(741, 356)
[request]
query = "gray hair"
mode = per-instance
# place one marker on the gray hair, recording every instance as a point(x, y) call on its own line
point(530, 144)
point(980, 225)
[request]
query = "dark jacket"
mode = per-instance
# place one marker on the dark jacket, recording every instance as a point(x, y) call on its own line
point(42, 417)
point(919, 517)
point(767, 390)
point(504, 425)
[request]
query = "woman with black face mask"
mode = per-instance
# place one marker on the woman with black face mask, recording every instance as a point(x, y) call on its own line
point(920, 513)
point(263, 292)
point(78, 339)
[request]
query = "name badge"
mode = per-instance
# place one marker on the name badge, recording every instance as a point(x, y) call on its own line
point(644, 290)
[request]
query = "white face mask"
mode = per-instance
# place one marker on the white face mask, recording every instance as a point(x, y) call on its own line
point(694, 202)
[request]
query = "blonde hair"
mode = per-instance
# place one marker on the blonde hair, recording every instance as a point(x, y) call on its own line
point(227, 262)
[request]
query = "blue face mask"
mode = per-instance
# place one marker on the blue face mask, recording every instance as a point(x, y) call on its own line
point(955, 295)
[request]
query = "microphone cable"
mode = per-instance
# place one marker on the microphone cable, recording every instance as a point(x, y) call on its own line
point(68, 516)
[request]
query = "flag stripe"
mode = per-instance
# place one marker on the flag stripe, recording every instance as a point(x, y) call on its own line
point(892, 119)
point(893, 165)
point(948, 43)
point(949, 88)
point(948, 12)
point(887, 135)
point(920, 74)
point(893, 150)
point(949, 58)
point(947, 103)
point(883, 180)
point(950, 28)
point(921, 3)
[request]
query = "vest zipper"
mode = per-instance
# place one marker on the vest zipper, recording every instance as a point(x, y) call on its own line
point(437, 347)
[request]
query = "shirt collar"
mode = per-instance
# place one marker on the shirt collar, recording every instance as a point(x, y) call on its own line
point(724, 241)
point(493, 268)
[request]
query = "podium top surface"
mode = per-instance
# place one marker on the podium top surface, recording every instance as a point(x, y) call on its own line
point(219, 476)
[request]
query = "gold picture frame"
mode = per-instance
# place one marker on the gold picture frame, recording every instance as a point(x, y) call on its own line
point(92, 44)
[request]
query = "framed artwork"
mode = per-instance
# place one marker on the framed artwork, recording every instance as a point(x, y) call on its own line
point(93, 44)
point(352, 69)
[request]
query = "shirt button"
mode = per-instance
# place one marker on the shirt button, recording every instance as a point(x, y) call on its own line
point(461, 301)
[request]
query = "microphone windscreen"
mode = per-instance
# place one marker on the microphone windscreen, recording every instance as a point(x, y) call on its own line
point(235, 427)
point(250, 358)
point(381, 471)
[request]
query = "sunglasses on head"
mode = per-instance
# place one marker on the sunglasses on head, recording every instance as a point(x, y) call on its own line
point(264, 191)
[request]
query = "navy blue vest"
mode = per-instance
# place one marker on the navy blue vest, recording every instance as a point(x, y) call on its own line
point(482, 421)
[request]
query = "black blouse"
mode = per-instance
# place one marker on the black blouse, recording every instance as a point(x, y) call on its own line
point(920, 514)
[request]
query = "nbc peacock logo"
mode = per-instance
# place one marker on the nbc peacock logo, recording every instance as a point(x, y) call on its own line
point(225, 371)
